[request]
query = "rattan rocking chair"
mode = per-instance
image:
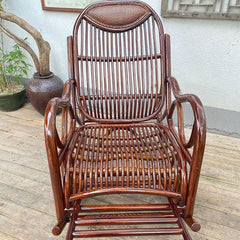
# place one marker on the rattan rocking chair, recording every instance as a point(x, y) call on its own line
point(121, 137)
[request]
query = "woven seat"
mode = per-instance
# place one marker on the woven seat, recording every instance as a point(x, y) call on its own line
point(117, 128)
point(131, 156)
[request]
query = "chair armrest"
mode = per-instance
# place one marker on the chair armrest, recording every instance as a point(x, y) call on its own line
point(56, 146)
point(51, 114)
point(198, 133)
point(196, 140)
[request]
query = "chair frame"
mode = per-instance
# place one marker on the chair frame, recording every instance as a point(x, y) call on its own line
point(57, 147)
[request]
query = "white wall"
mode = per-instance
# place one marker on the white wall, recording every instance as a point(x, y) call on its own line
point(205, 53)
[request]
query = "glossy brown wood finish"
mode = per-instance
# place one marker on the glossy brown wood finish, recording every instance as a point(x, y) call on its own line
point(119, 92)
point(196, 140)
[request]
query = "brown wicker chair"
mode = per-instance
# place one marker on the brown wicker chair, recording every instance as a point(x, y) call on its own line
point(118, 95)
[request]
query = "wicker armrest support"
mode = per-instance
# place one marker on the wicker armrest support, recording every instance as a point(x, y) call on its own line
point(196, 140)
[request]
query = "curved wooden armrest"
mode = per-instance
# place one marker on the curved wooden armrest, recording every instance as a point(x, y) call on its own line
point(197, 139)
point(50, 120)
point(199, 126)
point(56, 146)
point(51, 113)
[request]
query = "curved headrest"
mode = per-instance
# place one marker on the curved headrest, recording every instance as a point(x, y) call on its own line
point(117, 15)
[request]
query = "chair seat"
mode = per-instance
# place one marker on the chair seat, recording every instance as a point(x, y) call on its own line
point(124, 157)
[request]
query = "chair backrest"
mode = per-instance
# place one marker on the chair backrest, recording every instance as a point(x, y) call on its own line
point(119, 61)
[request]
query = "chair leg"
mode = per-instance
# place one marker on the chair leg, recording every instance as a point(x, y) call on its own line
point(180, 223)
point(72, 220)
point(57, 229)
point(193, 224)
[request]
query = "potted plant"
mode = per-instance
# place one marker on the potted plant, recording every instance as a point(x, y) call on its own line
point(12, 69)
point(44, 85)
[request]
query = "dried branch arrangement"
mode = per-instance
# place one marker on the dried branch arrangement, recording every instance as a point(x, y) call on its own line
point(41, 62)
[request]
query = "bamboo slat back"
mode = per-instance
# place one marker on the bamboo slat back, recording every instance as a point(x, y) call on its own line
point(119, 62)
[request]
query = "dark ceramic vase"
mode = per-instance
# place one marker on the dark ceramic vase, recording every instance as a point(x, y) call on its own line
point(41, 89)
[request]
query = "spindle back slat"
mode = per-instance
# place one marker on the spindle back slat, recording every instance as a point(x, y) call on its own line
point(119, 69)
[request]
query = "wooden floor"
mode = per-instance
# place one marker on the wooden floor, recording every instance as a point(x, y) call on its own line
point(26, 201)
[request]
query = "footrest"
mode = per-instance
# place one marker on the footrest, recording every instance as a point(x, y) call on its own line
point(165, 215)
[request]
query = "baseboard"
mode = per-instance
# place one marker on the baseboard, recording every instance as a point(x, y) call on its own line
point(221, 121)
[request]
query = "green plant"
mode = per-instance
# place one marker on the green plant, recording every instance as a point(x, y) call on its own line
point(41, 62)
point(12, 69)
